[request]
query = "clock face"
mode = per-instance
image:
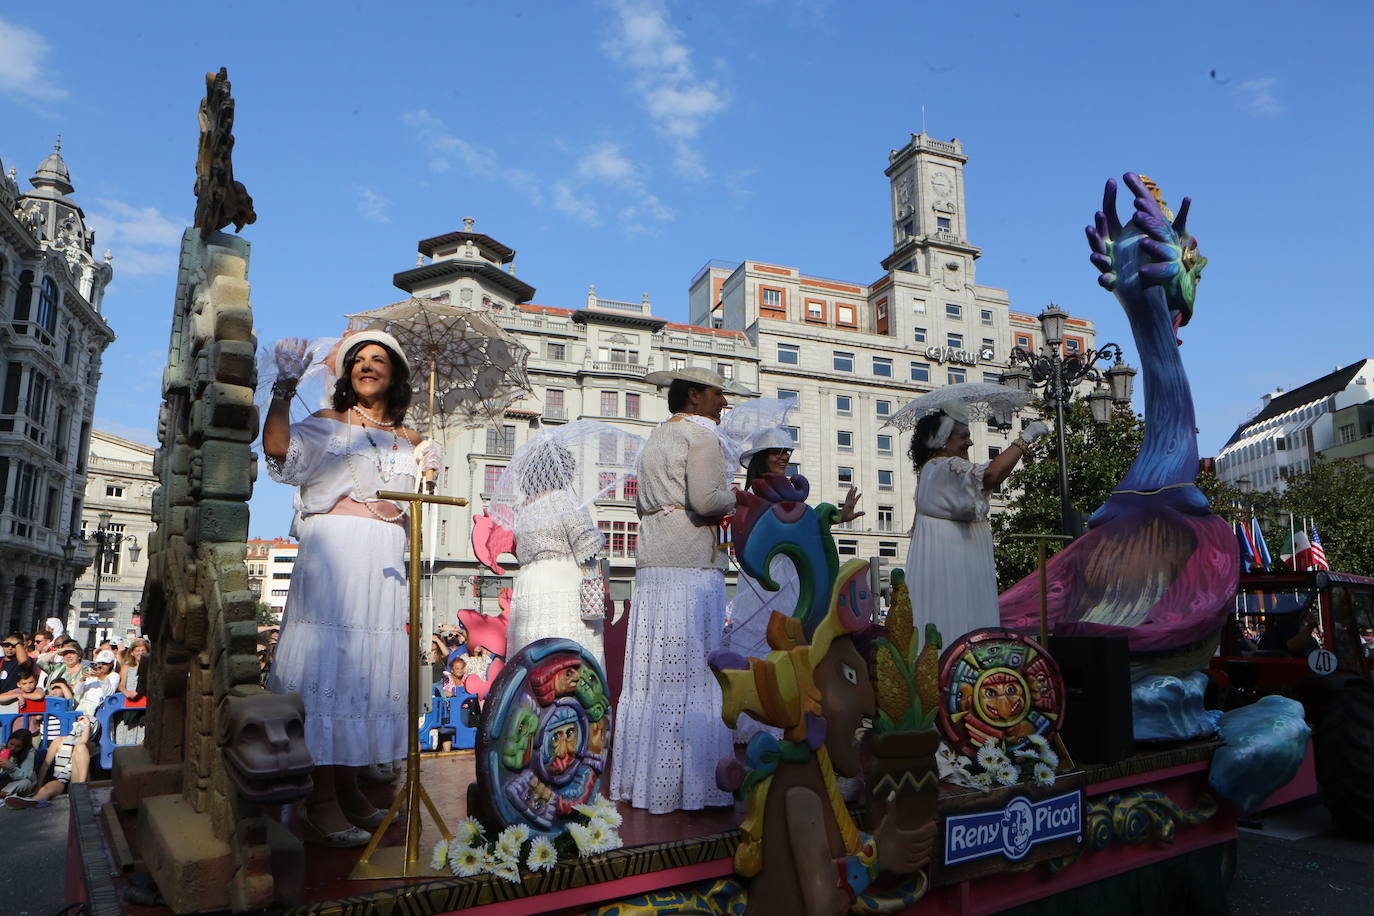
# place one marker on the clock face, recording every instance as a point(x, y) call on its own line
point(941, 183)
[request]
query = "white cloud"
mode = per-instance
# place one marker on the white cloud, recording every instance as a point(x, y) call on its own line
point(373, 205)
point(606, 164)
point(1257, 97)
point(446, 150)
point(582, 209)
point(144, 241)
point(676, 99)
point(25, 73)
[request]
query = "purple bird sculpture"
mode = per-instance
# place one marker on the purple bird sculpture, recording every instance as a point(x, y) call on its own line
point(1155, 566)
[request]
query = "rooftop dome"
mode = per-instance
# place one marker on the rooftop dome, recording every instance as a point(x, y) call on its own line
point(52, 172)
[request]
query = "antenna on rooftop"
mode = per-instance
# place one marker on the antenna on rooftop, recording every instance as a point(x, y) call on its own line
point(923, 119)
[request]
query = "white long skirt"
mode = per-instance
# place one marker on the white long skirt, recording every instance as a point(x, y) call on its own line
point(343, 641)
point(669, 735)
point(548, 602)
point(746, 629)
point(951, 577)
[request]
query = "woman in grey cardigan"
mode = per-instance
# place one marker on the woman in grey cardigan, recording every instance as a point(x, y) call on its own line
point(669, 733)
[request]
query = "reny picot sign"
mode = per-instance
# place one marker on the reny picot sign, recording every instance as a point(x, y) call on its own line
point(1013, 829)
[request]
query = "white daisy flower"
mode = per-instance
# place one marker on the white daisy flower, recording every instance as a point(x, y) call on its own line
point(610, 813)
point(980, 781)
point(1043, 775)
point(990, 757)
point(542, 855)
point(582, 839)
point(1049, 758)
point(594, 812)
point(1006, 775)
point(511, 841)
point(439, 857)
point(469, 832)
point(467, 861)
point(1038, 742)
point(505, 868)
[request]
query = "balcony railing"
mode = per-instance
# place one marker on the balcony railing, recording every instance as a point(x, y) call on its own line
point(634, 369)
point(555, 413)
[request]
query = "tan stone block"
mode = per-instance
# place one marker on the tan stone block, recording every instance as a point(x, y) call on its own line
point(136, 777)
point(192, 867)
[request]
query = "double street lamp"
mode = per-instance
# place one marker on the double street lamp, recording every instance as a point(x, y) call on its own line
point(1056, 371)
point(105, 543)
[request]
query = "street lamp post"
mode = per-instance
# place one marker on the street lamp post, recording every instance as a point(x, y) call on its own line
point(1055, 372)
point(106, 544)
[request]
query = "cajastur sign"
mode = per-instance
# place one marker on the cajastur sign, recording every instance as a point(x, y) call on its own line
point(959, 355)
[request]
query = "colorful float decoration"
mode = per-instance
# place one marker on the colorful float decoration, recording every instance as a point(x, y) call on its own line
point(997, 686)
point(545, 738)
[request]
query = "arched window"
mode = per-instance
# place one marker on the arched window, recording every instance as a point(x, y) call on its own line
point(47, 306)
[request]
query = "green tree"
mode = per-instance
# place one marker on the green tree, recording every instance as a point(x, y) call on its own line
point(1339, 496)
point(1098, 457)
point(267, 616)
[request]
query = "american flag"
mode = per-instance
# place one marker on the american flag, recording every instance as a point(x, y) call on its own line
point(1318, 554)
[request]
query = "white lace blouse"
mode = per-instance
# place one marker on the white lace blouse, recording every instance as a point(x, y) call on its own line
point(553, 527)
point(330, 459)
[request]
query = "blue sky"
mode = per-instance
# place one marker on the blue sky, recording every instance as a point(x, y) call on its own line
point(625, 143)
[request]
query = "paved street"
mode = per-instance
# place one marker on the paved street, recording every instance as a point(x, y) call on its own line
point(1294, 863)
point(1291, 864)
point(31, 879)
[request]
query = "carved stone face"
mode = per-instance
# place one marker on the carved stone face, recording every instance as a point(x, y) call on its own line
point(263, 740)
point(848, 701)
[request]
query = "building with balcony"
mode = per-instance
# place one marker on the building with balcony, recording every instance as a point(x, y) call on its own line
point(853, 353)
point(1292, 428)
point(52, 335)
point(119, 492)
point(270, 564)
point(587, 361)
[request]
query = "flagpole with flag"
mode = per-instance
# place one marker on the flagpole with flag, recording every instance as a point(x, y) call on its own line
point(1318, 552)
point(1262, 555)
point(1302, 550)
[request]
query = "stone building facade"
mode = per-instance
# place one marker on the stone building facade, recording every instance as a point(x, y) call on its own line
point(52, 335)
point(853, 353)
point(586, 362)
point(119, 481)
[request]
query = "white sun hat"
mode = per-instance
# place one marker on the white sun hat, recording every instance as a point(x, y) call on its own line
point(353, 338)
point(699, 375)
point(764, 439)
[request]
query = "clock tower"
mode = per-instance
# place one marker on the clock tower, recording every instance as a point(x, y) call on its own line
point(928, 228)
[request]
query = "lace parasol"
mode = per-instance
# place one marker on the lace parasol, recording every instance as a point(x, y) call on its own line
point(563, 470)
point(974, 400)
point(742, 422)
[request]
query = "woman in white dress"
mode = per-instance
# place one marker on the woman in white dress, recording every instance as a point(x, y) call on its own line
point(669, 735)
point(557, 544)
point(949, 566)
point(746, 629)
point(343, 643)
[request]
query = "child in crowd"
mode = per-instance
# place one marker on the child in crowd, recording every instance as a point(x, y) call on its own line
point(16, 764)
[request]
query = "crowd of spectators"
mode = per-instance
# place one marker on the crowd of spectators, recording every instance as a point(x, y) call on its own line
point(45, 753)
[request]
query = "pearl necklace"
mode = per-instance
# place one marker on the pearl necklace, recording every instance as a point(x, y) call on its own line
point(385, 476)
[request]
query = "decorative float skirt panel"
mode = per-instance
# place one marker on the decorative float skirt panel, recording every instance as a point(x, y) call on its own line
point(545, 738)
point(997, 685)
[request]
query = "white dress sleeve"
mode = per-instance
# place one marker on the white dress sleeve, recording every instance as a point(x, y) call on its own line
point(953, 489)
point(308, 440)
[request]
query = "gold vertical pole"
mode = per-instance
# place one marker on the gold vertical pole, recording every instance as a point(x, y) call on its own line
point(1044, 596)
point(404, 861)
point(1042, 541)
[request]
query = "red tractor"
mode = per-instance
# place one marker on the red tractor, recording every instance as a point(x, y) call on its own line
point(1310, 636)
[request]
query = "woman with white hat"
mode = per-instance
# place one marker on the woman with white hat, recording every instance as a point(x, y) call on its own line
point(343, 641)
point(669, 734)
point(949, 566)
point(769, 451)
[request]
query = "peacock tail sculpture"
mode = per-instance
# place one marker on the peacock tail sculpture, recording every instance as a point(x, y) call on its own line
point(1155, 566)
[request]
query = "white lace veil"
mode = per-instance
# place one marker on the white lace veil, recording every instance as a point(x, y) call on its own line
point(562, 470)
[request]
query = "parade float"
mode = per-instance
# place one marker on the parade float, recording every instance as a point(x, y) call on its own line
point(969, 794)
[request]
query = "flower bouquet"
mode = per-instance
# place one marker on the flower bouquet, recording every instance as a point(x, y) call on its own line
point(1029, 760)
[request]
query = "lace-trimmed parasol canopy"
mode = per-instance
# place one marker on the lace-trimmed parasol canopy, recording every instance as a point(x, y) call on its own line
point(973, 400)
point(578, 463)
point(466, 367)
point(741, 422)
